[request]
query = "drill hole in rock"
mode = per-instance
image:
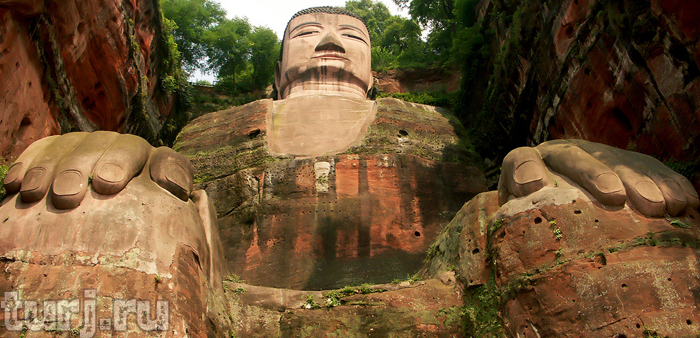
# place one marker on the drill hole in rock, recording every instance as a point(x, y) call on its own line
point(475, 251)
point(253, 133)
point(689, 322)
point(403, 133)
point(577, 212)
point(417, 234)
point(538, 220)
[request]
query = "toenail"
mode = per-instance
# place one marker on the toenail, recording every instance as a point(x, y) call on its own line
point(111, 172)
point(68, 182)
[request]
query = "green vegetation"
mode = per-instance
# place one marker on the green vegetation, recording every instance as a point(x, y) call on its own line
point(686, 169)
point(557, 234)
point(650, 333)
point(207, 99)
point(190, 19)
point(334, 297)
point(23, 333)
point(311, 303)
point(172, 82)
point(497, 224)
point(233, 278)
point(480, 312)
point(242, 56)
point(440, 98)
point(679, 224)
point(4, 167)
point(396, 41)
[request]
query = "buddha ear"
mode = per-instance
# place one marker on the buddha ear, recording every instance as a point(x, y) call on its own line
point(278, 78)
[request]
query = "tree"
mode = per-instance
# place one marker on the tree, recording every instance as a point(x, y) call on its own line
point(396, 41)
point(399, 34)
point(438, 16)
point(264, 52)
point(192, 19)
point(228, 47)
point(374, 14)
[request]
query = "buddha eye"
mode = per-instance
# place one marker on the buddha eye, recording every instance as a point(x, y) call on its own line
point(354, 37)
point(302, 34)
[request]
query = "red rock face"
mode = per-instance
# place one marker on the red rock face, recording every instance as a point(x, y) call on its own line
point(374, 223)
point(586, 271)
point(44, 283)
point(575, 269)
point(143, 244)
point(640, 94)
point(88, 65)
point(413, 80)
point(26, 116)
point(369, 218)
point(622, 73)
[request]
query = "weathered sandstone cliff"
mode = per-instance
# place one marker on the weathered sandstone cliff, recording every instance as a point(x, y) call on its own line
point(366, 215)
point(555, 264)
point(80, 65)
point(624, 73)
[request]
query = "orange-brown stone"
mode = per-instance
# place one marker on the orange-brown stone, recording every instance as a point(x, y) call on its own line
point(370, 218)
point(79, 65)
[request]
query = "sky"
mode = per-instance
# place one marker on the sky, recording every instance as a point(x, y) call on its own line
point(275, 14)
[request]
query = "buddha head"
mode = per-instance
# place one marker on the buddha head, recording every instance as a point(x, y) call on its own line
point(325, 50)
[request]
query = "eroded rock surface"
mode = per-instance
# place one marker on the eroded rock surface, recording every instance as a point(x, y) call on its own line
point(142, 244)
point(623, 73)
point(412, 309)
point(567, 267)
point(365, 215)
point(80, 65)
point(416, 80)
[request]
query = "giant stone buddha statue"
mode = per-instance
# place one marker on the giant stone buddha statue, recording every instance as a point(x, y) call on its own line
point(319, 188)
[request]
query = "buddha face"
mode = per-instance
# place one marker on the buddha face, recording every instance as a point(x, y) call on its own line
point(325, 53)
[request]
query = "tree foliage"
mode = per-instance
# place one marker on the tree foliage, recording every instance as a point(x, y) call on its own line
point(243, 56)
point(396, 41)
point(264, 52)
point(192, 19)
point(374, 14)
point(228, 47)
point(240, 55)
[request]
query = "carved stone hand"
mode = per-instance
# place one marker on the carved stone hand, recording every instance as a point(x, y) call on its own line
point(64, 166)
point(609, 174)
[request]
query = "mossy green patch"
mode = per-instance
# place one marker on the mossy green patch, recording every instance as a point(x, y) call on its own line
point(425, 131)
point(4, 168)
point(226, 160)
point(480, 311)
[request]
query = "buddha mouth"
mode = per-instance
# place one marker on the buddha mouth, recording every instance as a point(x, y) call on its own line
point(330, 56)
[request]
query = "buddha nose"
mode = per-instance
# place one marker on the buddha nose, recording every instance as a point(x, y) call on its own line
point(330, 42)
